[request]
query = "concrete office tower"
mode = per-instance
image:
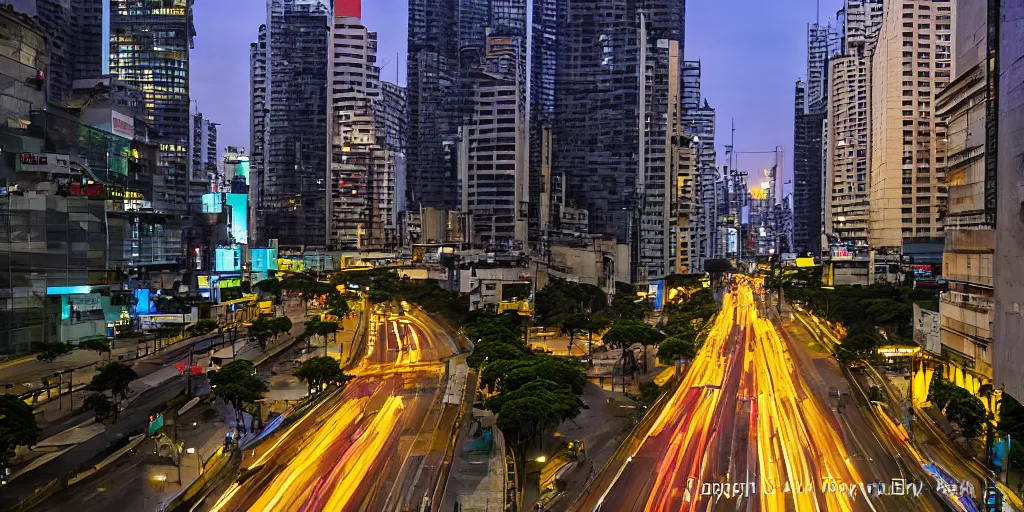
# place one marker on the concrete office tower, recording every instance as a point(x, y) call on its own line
point(149, 49)
point(364, 171)
point(392, 117)
point(807, 175)
point(847, 138)
point(447, 40)
point(203, 160)
point(687, 201)
point(823, 43)
point(968, 114)
point(492, 153)
point(543, 72)
point(1009, 273)
point(615, 165)
point(699, 126)
point(257, 129)
point(910, 65)
point(293, 190)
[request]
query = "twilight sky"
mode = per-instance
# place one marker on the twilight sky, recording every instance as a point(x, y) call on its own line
point(751, 54)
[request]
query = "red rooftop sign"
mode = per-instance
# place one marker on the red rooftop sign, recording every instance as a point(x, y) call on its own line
point(351, 8)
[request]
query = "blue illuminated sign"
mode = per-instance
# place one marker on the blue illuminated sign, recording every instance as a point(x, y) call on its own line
point(239, 204)
point(68, 290)
point(263, 259)
point(229, 260)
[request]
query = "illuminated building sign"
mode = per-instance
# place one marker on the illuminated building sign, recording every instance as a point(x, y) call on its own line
point(239, 204)
point(229, 283)
point(68, 290)
point(76, 189)
point(228, 260)
point(212, 203)
point(122, 125)
point(43, 162)
point(841, 254)
point(263, 259)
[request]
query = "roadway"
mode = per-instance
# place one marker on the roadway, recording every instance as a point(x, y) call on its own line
point(746, 430)
point(377, 445)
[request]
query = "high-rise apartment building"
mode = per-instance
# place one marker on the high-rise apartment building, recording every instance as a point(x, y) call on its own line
point(447, 44)
point(434, 103)
point(911, 63)
point(391, 115)
point(149, 49)
point(807, 175)
point(293, 197)
point(364, 163)
point(823, 43)
point(492, 152)
point(847, 138)
point(204, 160)
point(611, 130)
point(964, 108)
point(699, 126)
point(1008, 320)
point(257, 130)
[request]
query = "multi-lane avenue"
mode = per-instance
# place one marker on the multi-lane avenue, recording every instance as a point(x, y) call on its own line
point(377, 444)
point(746, 431)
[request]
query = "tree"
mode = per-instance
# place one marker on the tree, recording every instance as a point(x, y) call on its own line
point(677, 348)
point(626, 306)
point(624, 334)
point(17, 427)
point(261, 330)
point(101, 404)
point(571, 324)
point(204, 326)
point(237, 384)
point(100, 346)
point(959, 406)
point(494, 351)
point(319, 371)
point(318, 328)
point(280, 325)
point(49, 352)
point(116, 378)
point(271, 286)
point(337, 305)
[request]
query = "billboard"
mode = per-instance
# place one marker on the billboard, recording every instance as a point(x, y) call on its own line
point(228, 260)
point(212, 203)
point(239, 204)
point(263, 259)
point(122, 125)
point(656, 289)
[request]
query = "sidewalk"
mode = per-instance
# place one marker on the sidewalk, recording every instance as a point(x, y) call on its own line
point(159, 384)
point(478, 475)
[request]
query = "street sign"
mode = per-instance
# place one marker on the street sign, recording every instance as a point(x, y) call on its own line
point(155, 423)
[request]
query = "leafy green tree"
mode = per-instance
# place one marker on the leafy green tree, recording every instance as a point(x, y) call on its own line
point(17, 427)
point(317, 372)
point(100, 346)
point(677, 348)
point(237, 384)
point(204, 326)
point(493, 351)
point(625, 334)
point(101, 404)
point(959, 406)
point(337, 305)
point(280, 325)
point(318, 328)
point(261, 330)
point(271, 286)
point(571, 324)
point(115, 378)
point(626, 306)
point(49, 352)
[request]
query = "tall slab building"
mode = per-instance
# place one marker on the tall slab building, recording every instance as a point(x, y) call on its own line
point(295, 130)
point(911, 63)
point(847, 138)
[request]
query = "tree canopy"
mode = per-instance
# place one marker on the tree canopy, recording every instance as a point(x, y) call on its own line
point(959, 406)
point(49, 352)
point(319, 371)
point(100, 346)
point(17, 426)
point(237, 384)
point(113, 377)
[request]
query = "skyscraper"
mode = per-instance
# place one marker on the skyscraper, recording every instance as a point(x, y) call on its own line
point(293, 198)
point(434, 106)
point(149, 49)
point(257, 130)
point(1009, 274)
point(970, 117)
point(847, 137)
point(807, 176)
point(611, 127)
point(492, 156)
point(910, 65)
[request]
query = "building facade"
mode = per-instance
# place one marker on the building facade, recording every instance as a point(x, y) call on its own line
point(293, 195)
point(963, 107)
point(493, 151)
point(1008, 320)
point(807, 174)
point(911, 63)
point(847, 138)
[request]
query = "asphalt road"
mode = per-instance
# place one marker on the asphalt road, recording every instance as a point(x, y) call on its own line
point(377, 445)
point(752, 427)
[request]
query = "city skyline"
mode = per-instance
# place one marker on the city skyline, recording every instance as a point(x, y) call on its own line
point(762, 114)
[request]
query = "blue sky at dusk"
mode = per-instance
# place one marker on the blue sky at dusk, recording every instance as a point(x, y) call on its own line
point(751, 52)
